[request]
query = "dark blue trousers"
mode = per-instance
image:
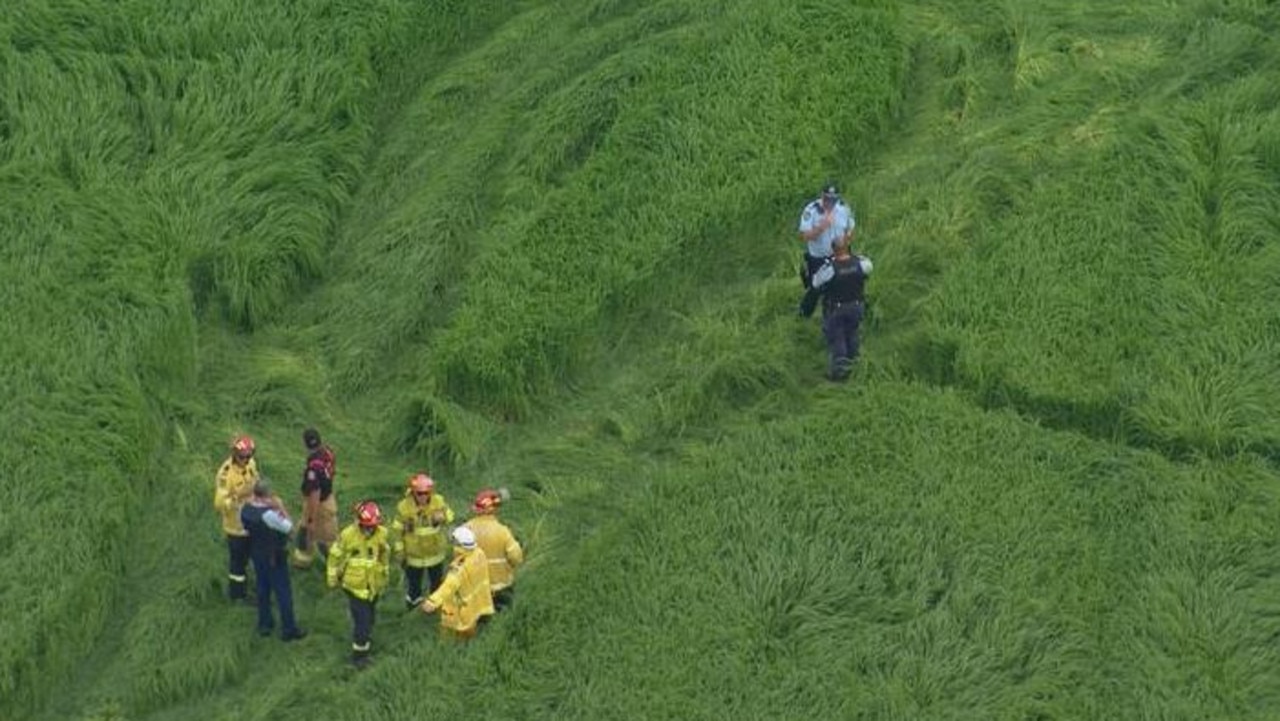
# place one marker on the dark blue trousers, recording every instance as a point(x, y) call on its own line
point(237, 564)
point(809, 302)
point(413, 580)
point(840, 326)
point(272, 575)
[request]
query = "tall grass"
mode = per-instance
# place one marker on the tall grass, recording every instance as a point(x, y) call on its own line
point(1121, 231)
point(159, 164)
point(619, 164)
point(550, 246)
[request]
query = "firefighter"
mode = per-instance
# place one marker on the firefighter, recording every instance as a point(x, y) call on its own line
point(232, 487)
point(421, 546)
point(464, 598)
point(360, 562)
point(319, 526)
point(500, 546)
point(268, 525)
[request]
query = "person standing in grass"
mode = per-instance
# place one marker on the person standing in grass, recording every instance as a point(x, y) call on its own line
point(319, 525)
point(822, 222)
point(841, 284)
point(268, 526)
point(232, 487)
point(360, 562)
point(421, 546)
point(499, 544)
point(464, 599)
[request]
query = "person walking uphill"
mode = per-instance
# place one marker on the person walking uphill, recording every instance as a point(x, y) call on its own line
point(360, 562)
point(465, 597)
point(232, 487)
point(421, 546)
point(268, 525)
point(823, 222)
point(319, 527)
point(500, 546)
point(841, 284)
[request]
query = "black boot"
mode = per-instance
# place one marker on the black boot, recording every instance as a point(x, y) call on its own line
point(360, 659)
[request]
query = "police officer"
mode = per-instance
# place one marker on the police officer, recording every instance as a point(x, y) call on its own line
point(267, 524)
point(823, 222)
point(841, 284)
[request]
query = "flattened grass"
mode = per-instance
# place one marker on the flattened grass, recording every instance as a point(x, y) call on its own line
point(551, 246)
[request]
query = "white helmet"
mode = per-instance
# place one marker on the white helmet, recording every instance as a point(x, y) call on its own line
point(463, 536)
point(865, 263)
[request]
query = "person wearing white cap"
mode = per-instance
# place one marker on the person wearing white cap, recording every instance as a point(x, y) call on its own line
point(464, 598)
point(824, 221)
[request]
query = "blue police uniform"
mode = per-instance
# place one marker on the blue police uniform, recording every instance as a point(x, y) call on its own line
point(268, 531)
point(841, 282)
point(819, 248)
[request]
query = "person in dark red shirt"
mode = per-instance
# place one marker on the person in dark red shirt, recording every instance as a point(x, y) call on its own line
point(319, 526)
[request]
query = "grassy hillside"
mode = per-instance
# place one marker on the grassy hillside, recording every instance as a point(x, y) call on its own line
point(550, 245)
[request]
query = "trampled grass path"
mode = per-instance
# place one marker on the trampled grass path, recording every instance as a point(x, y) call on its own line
point(549, 247)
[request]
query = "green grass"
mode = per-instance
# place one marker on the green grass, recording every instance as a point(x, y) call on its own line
point(550, 245)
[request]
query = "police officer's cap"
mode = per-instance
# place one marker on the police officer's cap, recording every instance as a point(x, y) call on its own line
point(831, 189)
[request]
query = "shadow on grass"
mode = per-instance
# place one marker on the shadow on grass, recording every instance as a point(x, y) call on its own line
point(934, 361)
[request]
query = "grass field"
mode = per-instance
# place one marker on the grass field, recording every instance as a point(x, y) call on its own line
point(550, 245)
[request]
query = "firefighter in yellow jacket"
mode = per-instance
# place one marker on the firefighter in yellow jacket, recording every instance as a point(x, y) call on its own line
point(232, 488)
point(464, 598)
point(360, 562)
point(421, 546)
point(499, 545)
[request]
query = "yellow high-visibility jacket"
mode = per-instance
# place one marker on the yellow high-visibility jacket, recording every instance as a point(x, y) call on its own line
point(500, 547)
point(464, 596)
point(361, 563)
point(232, 488)
point(421, 543)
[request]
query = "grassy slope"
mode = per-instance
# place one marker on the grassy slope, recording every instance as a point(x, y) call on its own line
point(993, 548)
point(158, 163)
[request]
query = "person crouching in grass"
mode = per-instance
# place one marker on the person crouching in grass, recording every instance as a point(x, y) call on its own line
point(465, 597)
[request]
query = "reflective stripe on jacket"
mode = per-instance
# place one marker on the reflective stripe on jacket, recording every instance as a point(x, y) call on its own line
point(232, 487)
point(360, 562)
point(464, 596)
point(422, 544)
point(500, 547)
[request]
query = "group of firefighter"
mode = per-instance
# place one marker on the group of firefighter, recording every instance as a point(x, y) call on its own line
point(463, 572)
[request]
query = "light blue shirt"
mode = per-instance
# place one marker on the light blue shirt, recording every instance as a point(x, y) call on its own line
point(842, 222)
point(277, 522)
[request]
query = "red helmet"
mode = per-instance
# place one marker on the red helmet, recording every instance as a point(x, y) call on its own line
point(422, 483)
point(487, 501)
point(368, 515)
point(243, 447)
